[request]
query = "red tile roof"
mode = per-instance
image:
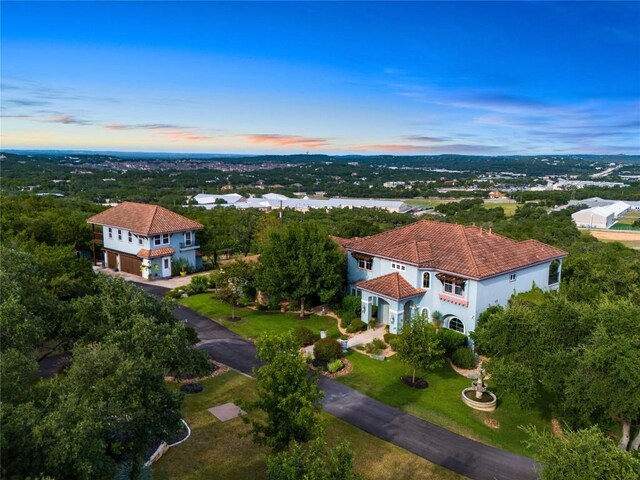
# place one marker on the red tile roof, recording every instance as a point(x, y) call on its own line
point(391, 285)
point(156, 252)
point(469, 251)
point(144, 219)
point(343, 243)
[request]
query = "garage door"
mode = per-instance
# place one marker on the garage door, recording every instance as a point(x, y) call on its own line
point(111, 259)
point(130, 264)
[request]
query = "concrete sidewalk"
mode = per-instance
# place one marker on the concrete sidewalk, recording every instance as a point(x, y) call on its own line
point(169, 283)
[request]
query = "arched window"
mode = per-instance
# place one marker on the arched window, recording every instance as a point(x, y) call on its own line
point(426, 313)
point(456, 324)
point(426, 280)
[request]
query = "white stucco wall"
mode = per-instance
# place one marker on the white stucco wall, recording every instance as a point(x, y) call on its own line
point(478, 294)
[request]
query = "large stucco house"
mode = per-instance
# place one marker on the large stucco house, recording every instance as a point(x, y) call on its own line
point(454, 269)
point(146, 239)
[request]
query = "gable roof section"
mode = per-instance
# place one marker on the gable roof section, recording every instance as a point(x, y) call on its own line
point(391, 285)
point(468, 251)
point(143, 219)
point(155, 252)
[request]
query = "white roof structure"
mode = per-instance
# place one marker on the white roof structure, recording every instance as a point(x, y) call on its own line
point(274, 201)
point(206, 198)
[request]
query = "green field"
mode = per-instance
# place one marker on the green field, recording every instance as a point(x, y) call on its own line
point(253, 323)
point(440, 403)
point(509, 208)
point(215, 450)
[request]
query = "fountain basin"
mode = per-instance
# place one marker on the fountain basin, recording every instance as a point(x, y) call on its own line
point(485, 404)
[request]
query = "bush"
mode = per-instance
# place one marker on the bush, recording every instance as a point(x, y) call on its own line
point(261, 307)
point(464, 357)
point(376, 346)
point(175, 293)
point(391, 339)
point(356, 326)
point(334, 366)
point(213, 278)
point(351, 304)
point(304, 336)
point(327, 350)
point(192, 335)
point(180, 265)
point(346, 319)
point(198, 284)
point(451, 340)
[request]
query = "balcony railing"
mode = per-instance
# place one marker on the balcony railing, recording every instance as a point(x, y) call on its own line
point(188, 245)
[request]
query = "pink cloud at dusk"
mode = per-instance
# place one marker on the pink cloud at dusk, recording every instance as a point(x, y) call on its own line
point(285, 140)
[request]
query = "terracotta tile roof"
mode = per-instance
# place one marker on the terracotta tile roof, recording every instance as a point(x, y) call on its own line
point(343, 243)
point(469, 251)
point(156, 252)
point(391, 285)
point(143, 219)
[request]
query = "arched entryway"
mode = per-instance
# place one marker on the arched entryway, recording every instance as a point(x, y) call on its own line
point(408, 311)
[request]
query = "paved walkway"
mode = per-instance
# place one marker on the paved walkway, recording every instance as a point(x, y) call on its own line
point(455, 452)
point(169, 283)
point(367, 336)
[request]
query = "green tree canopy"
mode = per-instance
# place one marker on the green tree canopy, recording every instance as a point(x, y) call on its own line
point(301, 262)
point(287, 393)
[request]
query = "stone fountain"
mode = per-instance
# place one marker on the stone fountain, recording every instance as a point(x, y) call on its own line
point(478, 397)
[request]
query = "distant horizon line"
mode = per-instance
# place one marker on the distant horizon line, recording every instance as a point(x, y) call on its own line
point(238, 155)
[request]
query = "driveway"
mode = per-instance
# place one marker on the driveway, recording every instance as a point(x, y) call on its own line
point(455, 452)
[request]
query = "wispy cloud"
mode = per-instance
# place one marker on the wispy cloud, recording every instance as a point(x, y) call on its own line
point(426, 138)
point(143, 126)
point(402, 148)
point(66, 120)
point(285, 140)
point(181, 135)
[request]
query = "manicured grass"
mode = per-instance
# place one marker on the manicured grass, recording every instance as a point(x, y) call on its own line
point(441, 403)
point(509, 208)
point(253, 322)
point(215, 450)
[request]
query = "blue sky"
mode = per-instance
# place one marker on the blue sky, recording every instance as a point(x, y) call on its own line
point(352, 77)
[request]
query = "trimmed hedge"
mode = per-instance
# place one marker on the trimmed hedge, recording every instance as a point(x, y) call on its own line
point(356, 326)
point(451, 340)
point(304, 336)
point(334, 366)
point(464, 357)
point(327, 350)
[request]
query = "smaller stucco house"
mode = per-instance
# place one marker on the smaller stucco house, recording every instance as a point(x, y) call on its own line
point(146, 240)
point(456, 270)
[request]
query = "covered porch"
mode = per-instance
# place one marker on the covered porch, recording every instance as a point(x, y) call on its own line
point(390, 300)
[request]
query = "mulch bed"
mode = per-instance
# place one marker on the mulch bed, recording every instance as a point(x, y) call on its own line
point(420, 383)
point(191, 388)
point(233, 319)
point(321, 367)
point(217, 370)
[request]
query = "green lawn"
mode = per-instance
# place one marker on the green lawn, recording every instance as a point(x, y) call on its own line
point(253, 322)
point(441, 404)
point(509, 208)
point(215, 450)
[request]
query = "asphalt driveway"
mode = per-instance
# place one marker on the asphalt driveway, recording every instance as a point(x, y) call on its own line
point(455, 452)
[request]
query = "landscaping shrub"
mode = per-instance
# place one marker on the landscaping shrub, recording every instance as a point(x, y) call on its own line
point(334, 366)
point(175, 293)
point(351, 304)
point(304, 336)
point(375, 347)
point(464, 357)
point(198, 284)
point(327, 350)
point(391, 339)
point(213, 279)
point(261, 307)
point(192, 335)
point(180, 265)
point(356, 326)
point(451, 340)
point(346, 319)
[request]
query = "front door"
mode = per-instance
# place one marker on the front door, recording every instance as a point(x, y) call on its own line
point(166, 267)
point(383, 312)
